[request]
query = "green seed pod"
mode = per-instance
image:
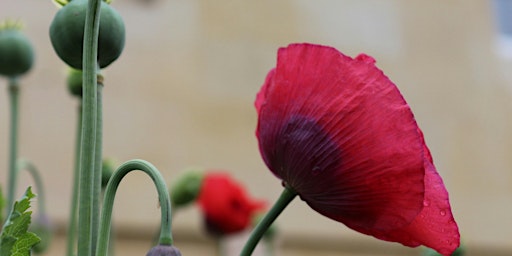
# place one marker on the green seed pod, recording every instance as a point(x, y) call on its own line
point(107, 169)
point(67, 34)
point(186, 188)
point(16, 52)
point(74, 82)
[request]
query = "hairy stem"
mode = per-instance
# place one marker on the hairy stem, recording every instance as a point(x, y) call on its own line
point(108, 203)
point(88, 141)
point(71, 240)
point(98, 163)
point(13, 142)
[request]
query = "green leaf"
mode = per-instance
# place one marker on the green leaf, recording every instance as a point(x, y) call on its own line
point(15, 240)
point(24, 244)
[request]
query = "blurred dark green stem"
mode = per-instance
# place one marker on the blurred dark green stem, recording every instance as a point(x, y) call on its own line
point(284, 199)
point(13, 142)
point(88, 141)
point(108, 203)
point(71, 235)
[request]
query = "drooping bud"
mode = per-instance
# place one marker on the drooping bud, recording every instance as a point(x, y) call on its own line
point(164, 250)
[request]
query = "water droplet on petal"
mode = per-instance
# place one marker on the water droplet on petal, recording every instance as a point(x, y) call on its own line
point(442, 212)
point(426, 203)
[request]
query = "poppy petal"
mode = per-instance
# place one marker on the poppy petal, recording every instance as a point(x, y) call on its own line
point(262, 94)
point(226, 206)
point(338, 131)
point(435, 226)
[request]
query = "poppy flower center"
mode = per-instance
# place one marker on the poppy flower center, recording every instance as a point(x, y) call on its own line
point(303, 147)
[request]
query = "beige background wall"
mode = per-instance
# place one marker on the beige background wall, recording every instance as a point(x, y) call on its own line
point(182, 95)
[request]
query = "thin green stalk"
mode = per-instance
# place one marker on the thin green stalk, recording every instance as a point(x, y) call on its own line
point(13, 142)
point(24, 164)
point(88, 142)
point(71, 240)
point(284, 199)
point(270, 247)
point(98, 164)
point(108, 203)
point(221, 246)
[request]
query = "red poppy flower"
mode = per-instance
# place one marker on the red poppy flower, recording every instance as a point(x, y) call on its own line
point(338, 132)
point(226, 206)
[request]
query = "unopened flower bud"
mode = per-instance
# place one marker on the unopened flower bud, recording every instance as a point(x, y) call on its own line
point(108, 167)
point(74, 82)
point(186, 188)
point(164, 250)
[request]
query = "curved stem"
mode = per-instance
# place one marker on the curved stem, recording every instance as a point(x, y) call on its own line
point(88, 141)
point(108, 202)
point(71, 240)
point(24, 164)
point(284, 199)
point(13, 142)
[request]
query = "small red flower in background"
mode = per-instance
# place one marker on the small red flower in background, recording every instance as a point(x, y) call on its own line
point(338, 132)
point(226, 206)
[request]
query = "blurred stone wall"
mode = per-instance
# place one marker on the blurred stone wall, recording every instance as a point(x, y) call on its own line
point(182, 95)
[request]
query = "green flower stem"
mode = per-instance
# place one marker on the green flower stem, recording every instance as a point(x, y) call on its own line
point(88, 141)
point(221, 246)
point(98, 163)
point(13, 142)
point(24, 164)
point(108, 203)
point(71, 241)
point(284, 199)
